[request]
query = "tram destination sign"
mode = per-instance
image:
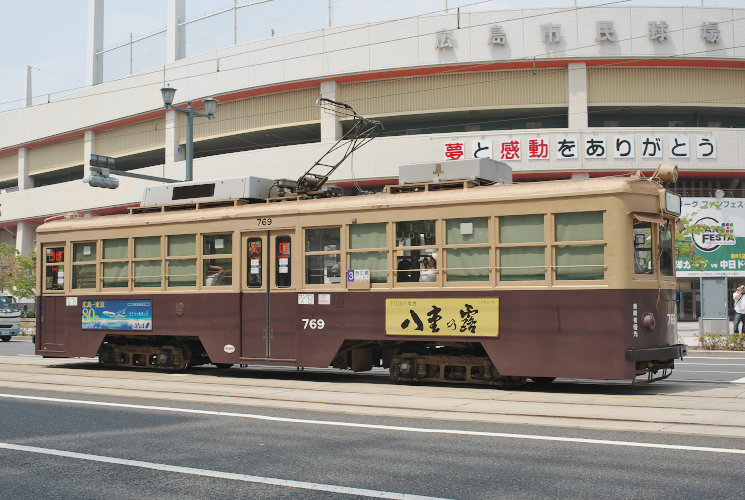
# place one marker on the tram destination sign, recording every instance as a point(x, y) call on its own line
point(724, 252)
point(117, 314)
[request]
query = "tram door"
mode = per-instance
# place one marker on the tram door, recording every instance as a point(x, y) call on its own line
point(268, 302)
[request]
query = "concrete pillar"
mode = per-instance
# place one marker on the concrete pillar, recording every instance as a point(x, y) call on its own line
point(25, 232)
point(331, 129)
point(24, 180)
point(94, 60)
point(176, 36)
point(89, 148)
point(577, 81)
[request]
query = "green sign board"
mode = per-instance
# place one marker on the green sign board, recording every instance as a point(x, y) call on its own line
point(724, 252)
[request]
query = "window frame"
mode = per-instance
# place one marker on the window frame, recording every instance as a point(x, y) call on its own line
point(448, 247)
point(349, 251)
point(91, 263)
point(64, 264)
point(168, 259)
point(545, 244)
point(324, 253)
point(202, 259)
point(127, 260)
point(398, 252)
point(555, 244)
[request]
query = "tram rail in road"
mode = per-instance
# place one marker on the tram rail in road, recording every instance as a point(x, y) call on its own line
point(712, 407)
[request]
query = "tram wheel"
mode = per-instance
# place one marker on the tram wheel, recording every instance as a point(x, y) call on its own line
point(223, 365)
point(543, 380)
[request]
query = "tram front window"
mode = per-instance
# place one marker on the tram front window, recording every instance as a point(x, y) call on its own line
point(667, 263)
point(643, 260)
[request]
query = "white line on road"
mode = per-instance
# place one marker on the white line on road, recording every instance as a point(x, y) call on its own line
point(423, 430)
point(218, 474)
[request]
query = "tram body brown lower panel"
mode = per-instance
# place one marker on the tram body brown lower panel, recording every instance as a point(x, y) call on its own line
point(542, 333)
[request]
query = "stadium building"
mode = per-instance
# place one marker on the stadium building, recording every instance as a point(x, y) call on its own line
point(552, 92)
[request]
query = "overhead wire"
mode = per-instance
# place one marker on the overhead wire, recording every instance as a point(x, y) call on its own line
point(625, 61)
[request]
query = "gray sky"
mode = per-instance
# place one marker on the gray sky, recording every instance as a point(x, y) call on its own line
point(50, 35)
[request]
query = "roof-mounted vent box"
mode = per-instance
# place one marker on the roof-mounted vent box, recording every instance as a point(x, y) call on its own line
point(479, 169)
point(184, 193)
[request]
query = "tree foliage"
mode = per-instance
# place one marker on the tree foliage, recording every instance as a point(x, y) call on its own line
point(17, 272)
point(687, 247)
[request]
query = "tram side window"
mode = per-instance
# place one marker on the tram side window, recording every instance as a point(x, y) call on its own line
point(54, 268)
point(643, 255)
point(469, 261)
point(148, 264)
point(368, 250)
point(116, 263)
point(84, 265)
point(182, 261)
point(580, 251)
point(416, 240)
point(322, 256)
point(522, 248)
point(667, 261)
point(217, 259)
point(283, 251)
point(255, 263)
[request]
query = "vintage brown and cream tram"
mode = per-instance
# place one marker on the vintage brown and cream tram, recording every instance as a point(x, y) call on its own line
point(442, 281)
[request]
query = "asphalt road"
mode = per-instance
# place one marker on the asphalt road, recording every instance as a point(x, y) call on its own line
point(242, 454)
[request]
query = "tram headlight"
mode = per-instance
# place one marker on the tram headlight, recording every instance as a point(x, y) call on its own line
point(648, 322)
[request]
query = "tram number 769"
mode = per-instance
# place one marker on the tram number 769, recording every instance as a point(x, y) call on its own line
point(313, 324)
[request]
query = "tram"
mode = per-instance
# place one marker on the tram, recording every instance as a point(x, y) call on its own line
point(445, 281)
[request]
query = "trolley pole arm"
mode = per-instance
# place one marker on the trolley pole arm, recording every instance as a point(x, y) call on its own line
point(363, 131)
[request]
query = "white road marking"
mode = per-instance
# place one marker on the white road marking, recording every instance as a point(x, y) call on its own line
point(684, 364)
point(683, 370)
point(218, 474)
point(711, 358)
point(738, 381)
point(423, 430)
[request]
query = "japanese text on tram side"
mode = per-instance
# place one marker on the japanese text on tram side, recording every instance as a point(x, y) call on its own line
point(443, 317)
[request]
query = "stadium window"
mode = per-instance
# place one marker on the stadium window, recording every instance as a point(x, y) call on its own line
point(115, 263)
point(84, 265)
point(182, 260)
point(54, 268)
point(579, 249)
point(368, 250)
point(467, 249)
point(148, 264)
point(217, 259)
point(323, 256)
point(522, 248)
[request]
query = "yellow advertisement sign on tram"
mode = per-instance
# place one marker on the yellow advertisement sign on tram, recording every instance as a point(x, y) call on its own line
point(465, 317)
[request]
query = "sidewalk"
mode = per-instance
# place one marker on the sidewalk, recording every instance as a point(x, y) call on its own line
point(688, 334)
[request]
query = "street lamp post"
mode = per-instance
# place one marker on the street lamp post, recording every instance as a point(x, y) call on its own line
point(210, 106)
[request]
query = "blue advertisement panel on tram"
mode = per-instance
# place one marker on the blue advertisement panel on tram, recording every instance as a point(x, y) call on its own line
point(117, 315)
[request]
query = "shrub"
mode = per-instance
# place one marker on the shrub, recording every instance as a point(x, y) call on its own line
point(28, 314)
point(736, 342)
point(719, 342)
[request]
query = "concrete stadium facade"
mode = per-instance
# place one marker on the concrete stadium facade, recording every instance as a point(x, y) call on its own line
point(619, 89)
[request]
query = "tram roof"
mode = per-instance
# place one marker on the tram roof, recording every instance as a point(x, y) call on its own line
point(542, 190)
